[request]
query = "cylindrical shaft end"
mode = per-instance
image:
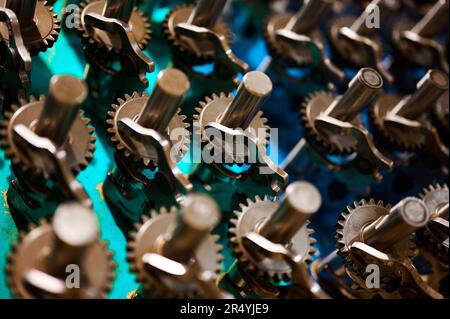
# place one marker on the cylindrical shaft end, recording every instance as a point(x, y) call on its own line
point(302, 200)
point(199, 215)
point(170, 90)
point(65, 96)
point(253, 91)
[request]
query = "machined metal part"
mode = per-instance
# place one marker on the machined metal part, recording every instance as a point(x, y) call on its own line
point(56, 117)
point(434, 236)
point(416, 43)
point(39, 25)
point(159, 111)
point(239, 112)
point(357, 42)
point(16, 62)
point(371, 233)
point(394, 115)
point(124, 11)
point(333, 122)
point(284, 223)
point(295, 38)
point(126, 39)
point(181, 238)
point(371, 221)
point(190, 14)
point(38, 262)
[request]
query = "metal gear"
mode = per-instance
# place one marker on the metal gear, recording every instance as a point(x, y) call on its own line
point(213, 107)
point(45, 32)
point(278, 22)
point(80, 145)
point(310, 109)
point(181, 14)
point(27, 253)
point(434, 197)
point(130, 107)
point(144, 238)
point(380, 109)
point(358, 215)
point(139, 25)
point(247, 219)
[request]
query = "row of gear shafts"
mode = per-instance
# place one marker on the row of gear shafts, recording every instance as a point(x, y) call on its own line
point(177, 252)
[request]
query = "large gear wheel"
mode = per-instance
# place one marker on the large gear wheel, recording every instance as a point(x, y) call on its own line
point(28, 251)
point(80, 145)
point(139, 25)
point(43, 35)
point(359, 215)
point(246, 220)
point(144, 240)
point(181, 14)
point(213, 107)
point(310, 109)
point(277, 22)
point(130, 107)
point(385, 103)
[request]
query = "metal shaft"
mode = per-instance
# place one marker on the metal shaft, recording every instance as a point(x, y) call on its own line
point(403, 220)
point(170, 90)
point(302, 200)
point(199, 215)
point(25, 10)
point(362, 89)
point(65, 96)
point(382, 8)
point(310, 16)
point(430, 88)
point(119, 9)
point(207, 12)
point(434, 21)
point(253, 91)
point(75, 228)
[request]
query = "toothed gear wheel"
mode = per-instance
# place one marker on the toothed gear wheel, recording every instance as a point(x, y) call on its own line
point(131, 107)
point(98, 268)
point(139, 25)
point(434, 196)
point(181, 14)
point(145, 239)
point(45, 32)
point(357, 58)
point(359, 215)
point(311, 108)
point(213, 107)
point(397, 137)
point(277, 22)
point(80, 144)
point(247, 220)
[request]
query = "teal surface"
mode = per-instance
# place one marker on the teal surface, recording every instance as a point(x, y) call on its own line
point(67, 57)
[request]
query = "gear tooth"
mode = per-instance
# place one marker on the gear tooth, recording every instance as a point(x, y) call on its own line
point(372, 201)
point(250, 202)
